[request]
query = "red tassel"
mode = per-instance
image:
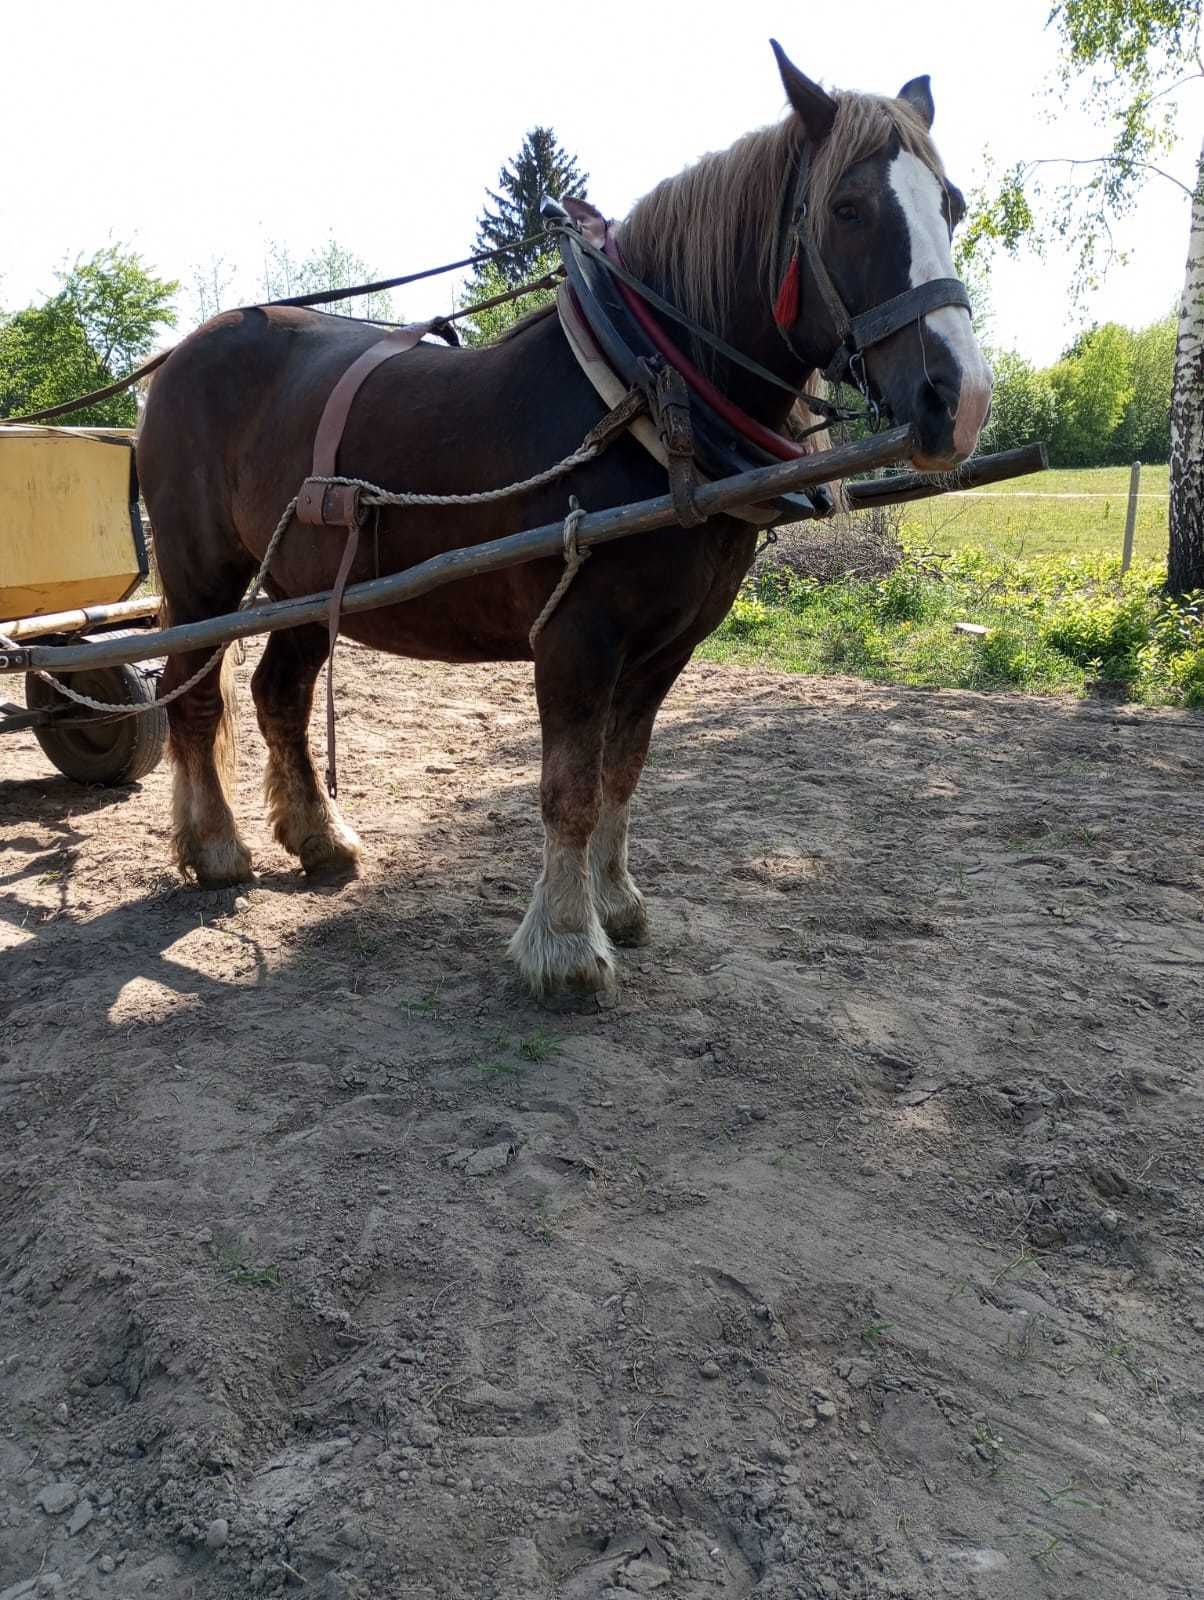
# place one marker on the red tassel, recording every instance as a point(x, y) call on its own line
point(785, 307)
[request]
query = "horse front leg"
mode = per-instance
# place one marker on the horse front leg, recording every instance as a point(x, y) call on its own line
point(637, 700)
point(561, 942)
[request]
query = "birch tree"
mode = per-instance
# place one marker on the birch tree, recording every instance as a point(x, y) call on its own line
point(1132, 62)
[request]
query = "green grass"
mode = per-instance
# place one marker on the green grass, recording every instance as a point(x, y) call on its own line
point(1027, 517)
point(1053, 626)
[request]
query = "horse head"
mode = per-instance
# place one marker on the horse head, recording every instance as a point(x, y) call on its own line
point(866, 230)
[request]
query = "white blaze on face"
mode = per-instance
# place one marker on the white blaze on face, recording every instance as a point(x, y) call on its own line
point(918, 191)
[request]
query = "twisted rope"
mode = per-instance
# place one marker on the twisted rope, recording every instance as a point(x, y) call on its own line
point(373, 495)
point(574, 559)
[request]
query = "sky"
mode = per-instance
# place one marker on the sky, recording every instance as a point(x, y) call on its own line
point(195, 133)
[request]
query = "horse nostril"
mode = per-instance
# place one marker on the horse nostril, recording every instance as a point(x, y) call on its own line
point(947, 391)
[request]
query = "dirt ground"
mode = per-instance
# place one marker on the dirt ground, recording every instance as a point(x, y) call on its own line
point(853, 1250)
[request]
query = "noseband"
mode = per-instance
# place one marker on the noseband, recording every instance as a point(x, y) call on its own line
point(854, 334)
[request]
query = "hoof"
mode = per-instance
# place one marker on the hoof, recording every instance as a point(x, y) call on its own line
point(554, 962)
point(628, 925)
point(216, 865)
point(331, 855)
point(620, 904)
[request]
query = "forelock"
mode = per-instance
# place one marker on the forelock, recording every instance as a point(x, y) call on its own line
point(864, 124)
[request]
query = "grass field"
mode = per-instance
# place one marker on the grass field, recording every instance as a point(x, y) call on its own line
point(1057, 513)
point(1034, 565)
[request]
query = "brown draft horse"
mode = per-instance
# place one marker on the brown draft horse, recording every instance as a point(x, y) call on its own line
point(228, 433)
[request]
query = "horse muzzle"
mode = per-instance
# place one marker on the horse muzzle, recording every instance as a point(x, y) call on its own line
point(934, 376)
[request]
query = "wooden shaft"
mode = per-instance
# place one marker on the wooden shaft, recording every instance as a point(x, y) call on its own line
point(146, 605)
point(909, 486)
point(1126, 555)
point(600, 527)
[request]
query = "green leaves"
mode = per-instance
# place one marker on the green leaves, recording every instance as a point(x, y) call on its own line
point(1122, 59)
point(1126, 37)
point(1024, 405)
point(491, 279)
point(1004, 217)
point(542, 167)
point(100, 324)
point(1108, 400)
point(331, 267)
point(1094, 386)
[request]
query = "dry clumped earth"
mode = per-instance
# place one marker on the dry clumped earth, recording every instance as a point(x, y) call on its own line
point(854, 1251)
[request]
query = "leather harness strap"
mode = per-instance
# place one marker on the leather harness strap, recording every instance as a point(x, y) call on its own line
point(335, 505)
point(327, 505)
point(332, 623)
point(855, 335)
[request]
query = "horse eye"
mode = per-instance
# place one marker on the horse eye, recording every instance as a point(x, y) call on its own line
point(847, 213)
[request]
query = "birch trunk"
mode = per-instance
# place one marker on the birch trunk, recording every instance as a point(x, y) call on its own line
point(1186, 567)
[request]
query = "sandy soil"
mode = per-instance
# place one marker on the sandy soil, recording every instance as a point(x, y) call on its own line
point(854, 1250)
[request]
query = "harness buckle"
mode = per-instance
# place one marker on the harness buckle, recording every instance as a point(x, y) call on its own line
point(669, 403)
point(329, 505)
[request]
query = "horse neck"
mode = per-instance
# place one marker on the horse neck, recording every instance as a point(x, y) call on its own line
point(746, 321)
point(751, 329)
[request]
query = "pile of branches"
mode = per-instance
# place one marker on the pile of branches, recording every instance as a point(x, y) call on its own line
point(851, 544)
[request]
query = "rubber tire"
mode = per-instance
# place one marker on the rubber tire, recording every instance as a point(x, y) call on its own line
point(110, 752)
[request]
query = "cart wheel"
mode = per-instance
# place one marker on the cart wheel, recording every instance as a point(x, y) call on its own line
point(96, 750)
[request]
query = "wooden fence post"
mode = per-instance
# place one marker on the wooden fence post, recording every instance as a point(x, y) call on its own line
point(1130, 518)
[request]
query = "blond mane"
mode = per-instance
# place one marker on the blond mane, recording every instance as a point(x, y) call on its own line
point(691, 231)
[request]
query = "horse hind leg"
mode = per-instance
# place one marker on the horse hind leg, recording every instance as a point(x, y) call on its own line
point(206, 842)
point(304, 820)
point(619, 902)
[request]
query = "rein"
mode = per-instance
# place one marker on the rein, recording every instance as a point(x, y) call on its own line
point(568, 232)
point(440, 326)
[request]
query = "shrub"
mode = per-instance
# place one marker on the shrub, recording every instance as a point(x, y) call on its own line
point(909, 594)
point(1052, 624)
point(1101, 630)
point(857, 544)
point(1170, 667)
point(748, 617)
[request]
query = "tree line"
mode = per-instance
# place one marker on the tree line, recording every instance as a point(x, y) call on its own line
point(1105, 401)
point(111, 308)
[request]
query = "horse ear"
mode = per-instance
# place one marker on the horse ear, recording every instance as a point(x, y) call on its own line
point(816, 109)
point(918, 94)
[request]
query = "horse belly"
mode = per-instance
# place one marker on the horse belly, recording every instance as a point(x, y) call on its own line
point(465, 622)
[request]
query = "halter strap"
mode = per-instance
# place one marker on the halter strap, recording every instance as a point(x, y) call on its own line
point(854, 334)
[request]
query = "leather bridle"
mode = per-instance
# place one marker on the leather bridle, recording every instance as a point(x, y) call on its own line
point(795, 246)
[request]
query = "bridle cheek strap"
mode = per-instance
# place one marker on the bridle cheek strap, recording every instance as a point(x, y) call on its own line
point(854, 335)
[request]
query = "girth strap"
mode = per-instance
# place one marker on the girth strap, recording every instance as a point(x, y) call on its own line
point(324, 505)
point(333, 505)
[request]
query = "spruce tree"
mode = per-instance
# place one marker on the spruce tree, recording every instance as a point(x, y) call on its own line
point(542, 167)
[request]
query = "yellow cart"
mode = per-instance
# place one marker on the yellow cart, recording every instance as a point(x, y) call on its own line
point(72, 556)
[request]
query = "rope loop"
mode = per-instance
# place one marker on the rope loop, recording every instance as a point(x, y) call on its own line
point(574, 559)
